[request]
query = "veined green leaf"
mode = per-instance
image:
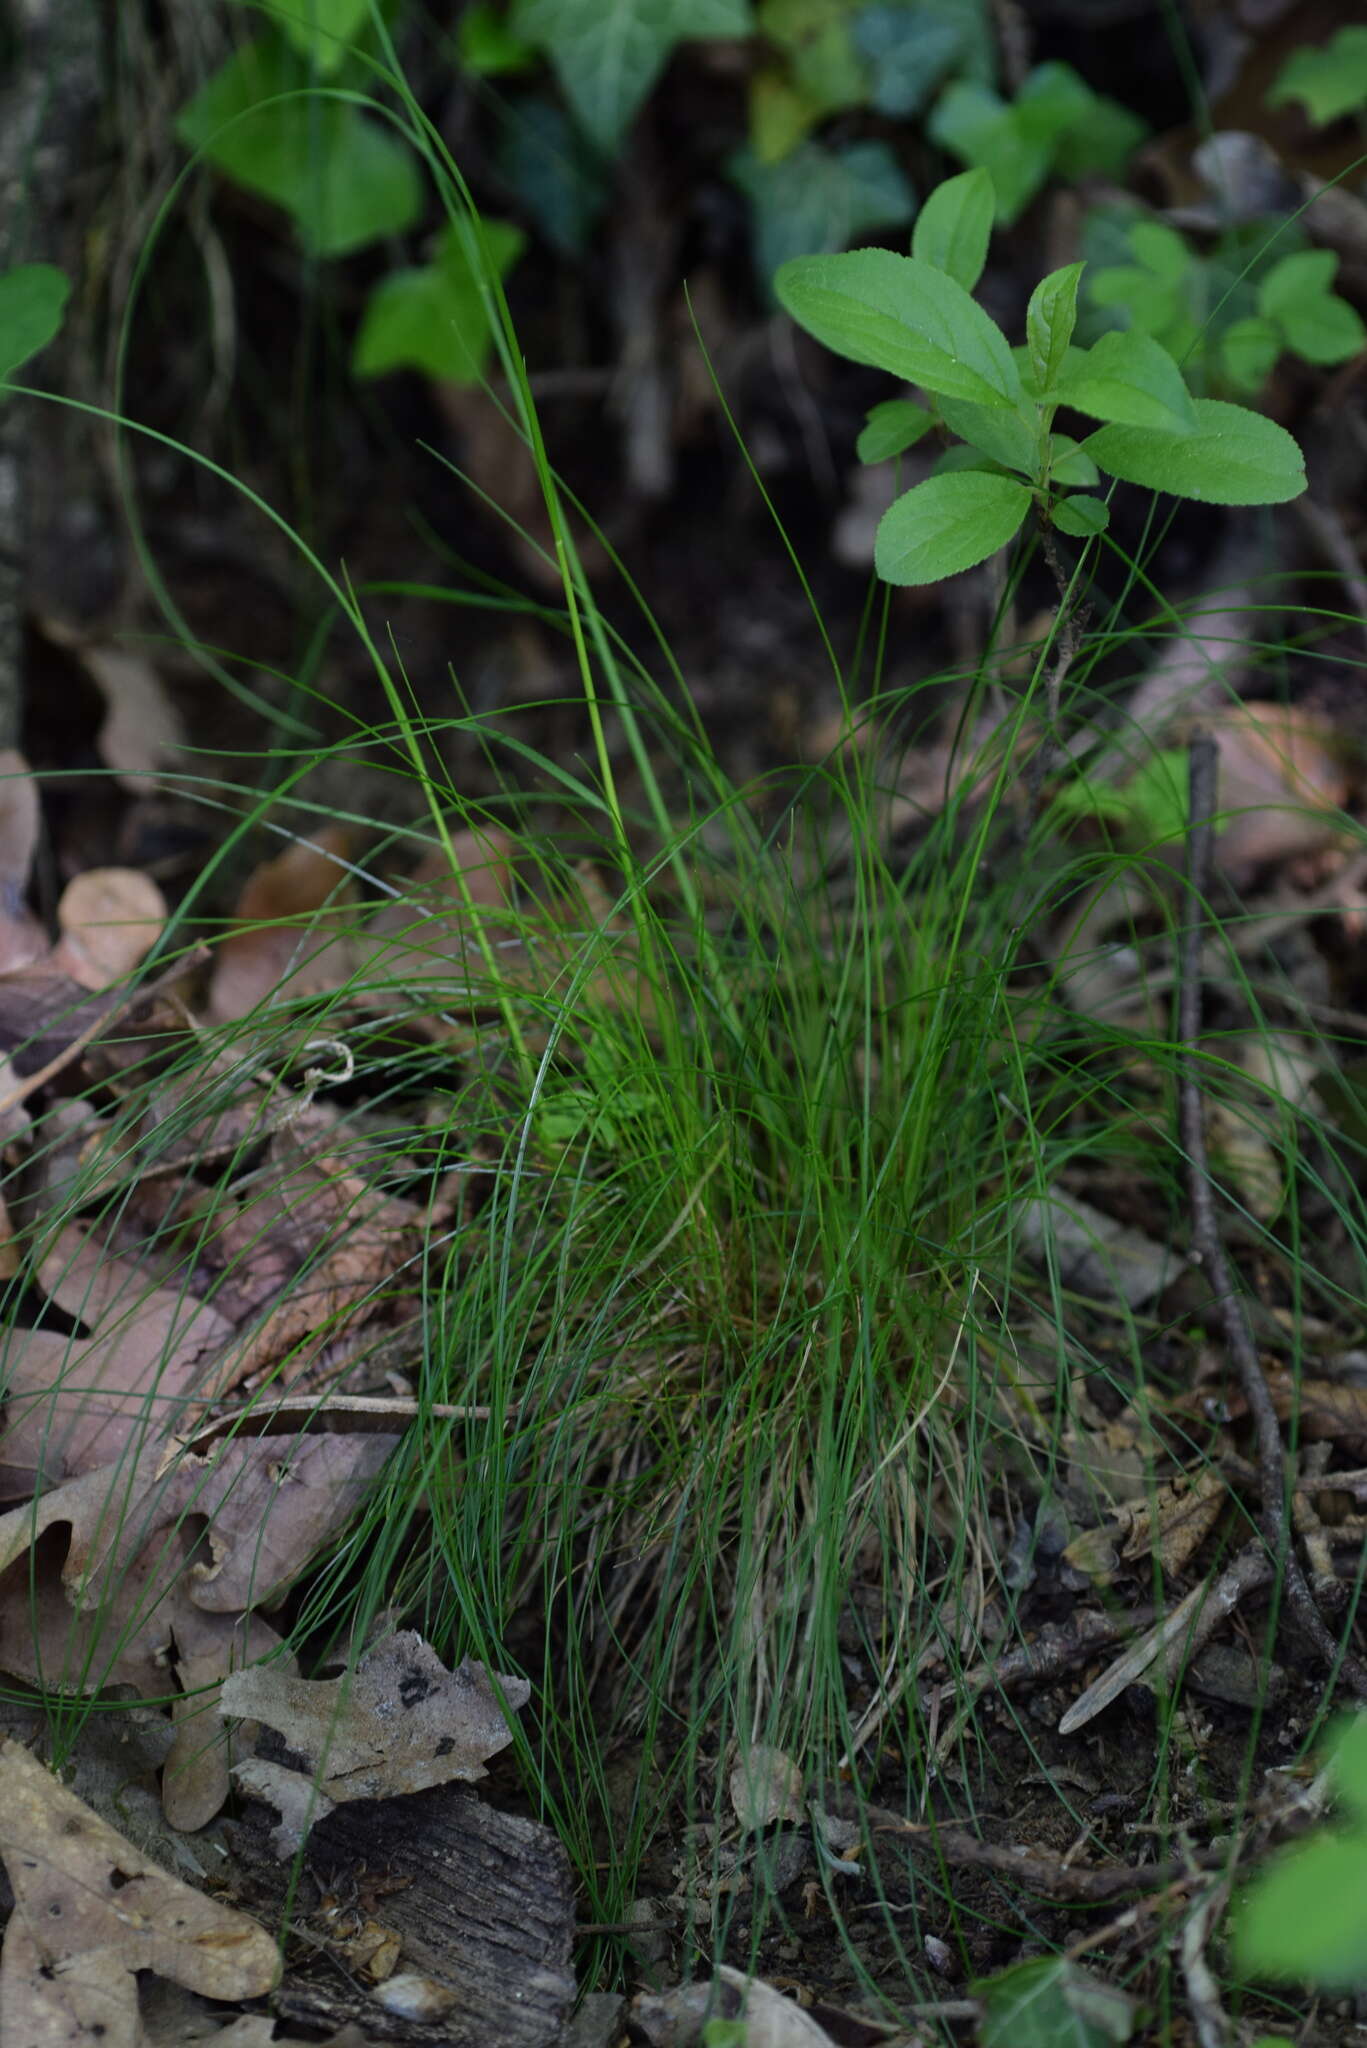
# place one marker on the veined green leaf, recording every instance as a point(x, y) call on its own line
point(948, 524)
point(904, 316)
point(1234, 457)
point(1049, 322)
point(954, 226)
point(1081, 517)
point(1051, 2002)
point(997, 430)
point(1128, 379)
point(891, 428)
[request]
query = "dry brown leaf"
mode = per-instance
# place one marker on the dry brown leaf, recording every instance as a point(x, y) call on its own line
point(22, 938)
point(399, 1723)
point(142, 731)
point(765, 1786)
point(110, 919)
point(294, 929)
point(1281, 772)
point(90, 1912)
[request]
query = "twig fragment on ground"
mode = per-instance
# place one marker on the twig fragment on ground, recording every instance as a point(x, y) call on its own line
point(1207, 1247)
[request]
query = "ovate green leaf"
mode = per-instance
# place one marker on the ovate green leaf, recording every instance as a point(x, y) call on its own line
point(1069, 463)
point(436, 318)
point(948, 524)
point(1234, 457)
point(954, 226)
point(1082, 517)
point(904, 316)
point(891, 428)
point(1323, 330)
point(996, 430)
point(32, 300)
point(608, 53)
point(1049, 322)
point(820, 198)
point(1128, 378)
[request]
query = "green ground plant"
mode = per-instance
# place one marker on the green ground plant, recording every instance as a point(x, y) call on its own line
point(739, 1307)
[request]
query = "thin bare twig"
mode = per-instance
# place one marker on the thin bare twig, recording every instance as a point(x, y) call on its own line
point(1207, 1247)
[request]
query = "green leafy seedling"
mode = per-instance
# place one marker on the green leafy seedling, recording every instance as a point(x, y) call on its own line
point(1305, 1917)
point(913, 318)
point(1056, 123)
point(32, 301)
point(1165, 291)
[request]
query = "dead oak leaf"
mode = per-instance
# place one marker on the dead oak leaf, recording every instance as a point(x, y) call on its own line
point(90, 1911)
point(399, 1723)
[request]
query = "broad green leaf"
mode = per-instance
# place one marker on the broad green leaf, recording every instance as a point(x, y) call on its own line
point(1309, 274)
point(344, 180)
point(1128, 379)
point(608, 53)
point(321, 30)
point(1248, 350)
point(891, 428)
point(1324, 329)
point(995, 430)
point(1306, 1916)
point(820, 198)
point(1049, 322)
point(436, 318)
point(1069, 464)
point(947, 524)
point(1234, 457)
point(979, 129)
point(1053, 2003)
point(908, 52)
point(954, 227)
point(952, 461)
point(555, 171)
point(1330, 81)
point(32, 300)
point(1081, 517)
point(904, 316)
point(1350, 1765)
point(487, 47)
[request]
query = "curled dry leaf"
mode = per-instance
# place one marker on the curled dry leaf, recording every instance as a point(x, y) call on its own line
point(293, 929)
point(110, 919)
point(399, 1723)
point(765, 1786)
point(90, 1912)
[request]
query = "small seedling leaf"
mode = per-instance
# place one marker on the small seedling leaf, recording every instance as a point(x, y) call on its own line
point(954, 226)
point(435, 318)
point(1330, 81)
point(1049, 322)
point(1052, 2003)
point(1127, 379)
point(902, 315)
point(32, 300)
point(1234, 457)
point(891, 428)
point(820, 199)
point(947, 524)
point(607, 57)
point(1081, 517)
point(1070, 464)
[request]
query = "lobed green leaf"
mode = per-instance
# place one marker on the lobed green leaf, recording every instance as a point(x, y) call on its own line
point(954, 226)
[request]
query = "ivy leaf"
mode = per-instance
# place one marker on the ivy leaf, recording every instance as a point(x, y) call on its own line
point(974, 125)
point(344, 180)
point(608, 53)
point(948, 524)
point(1049, 322)
point(820, 198)
point(436, 318)
point(1330, 81)
point(1129, 379)
point(902, 315)
point(891, 428)
point(954, 226)
point(322, 31)
point(487, 47)
point(32, 300)
point(1052, 2003)
point(1234, 457)
point(554, 170)
point(908, 52)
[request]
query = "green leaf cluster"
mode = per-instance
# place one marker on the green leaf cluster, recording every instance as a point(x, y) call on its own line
point(1305, 1917)
point(1055, 124)
point(914, 316)
point(1227, 317)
